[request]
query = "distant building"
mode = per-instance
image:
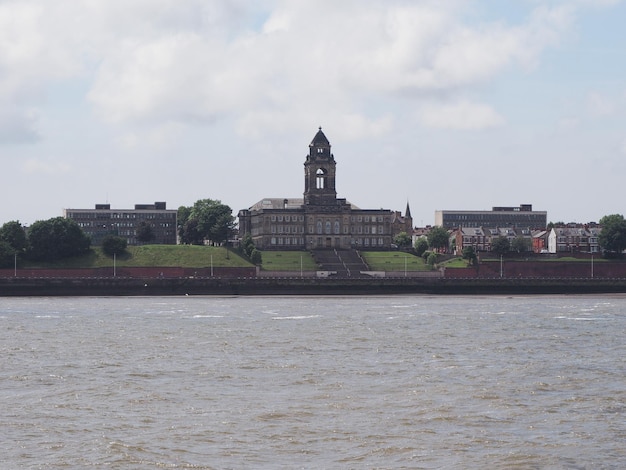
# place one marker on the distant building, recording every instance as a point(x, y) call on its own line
point(518, 217)
point(482, 238)
point(574, 238)
point(102, 221)
point(320, 219)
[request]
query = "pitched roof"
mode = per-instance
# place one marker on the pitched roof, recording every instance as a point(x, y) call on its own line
point(319, 139)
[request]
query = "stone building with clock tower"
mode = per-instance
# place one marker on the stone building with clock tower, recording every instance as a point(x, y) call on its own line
point(320, 219)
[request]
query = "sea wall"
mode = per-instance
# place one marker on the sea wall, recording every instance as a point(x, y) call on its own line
point(300, 286)
point(541, 269)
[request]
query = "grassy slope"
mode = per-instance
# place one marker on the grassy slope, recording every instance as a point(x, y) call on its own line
point(154, 255)
point(394, 261)
point(288, 261)
point(203, 256)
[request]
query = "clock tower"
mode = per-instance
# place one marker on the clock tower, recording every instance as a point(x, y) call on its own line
point(319, 173)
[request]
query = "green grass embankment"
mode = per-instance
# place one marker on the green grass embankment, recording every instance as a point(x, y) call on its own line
point(394, 261)
point(288, 261)
point(186, 256)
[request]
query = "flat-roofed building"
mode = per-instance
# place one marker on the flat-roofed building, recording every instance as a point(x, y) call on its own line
point(517, 217)
point(102, 221)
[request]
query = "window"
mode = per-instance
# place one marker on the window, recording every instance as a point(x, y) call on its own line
point(319, 226)
point(337, 228)
point(320, 179)
point(328, 227)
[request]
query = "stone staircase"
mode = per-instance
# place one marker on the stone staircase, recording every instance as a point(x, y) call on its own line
point(346, 263)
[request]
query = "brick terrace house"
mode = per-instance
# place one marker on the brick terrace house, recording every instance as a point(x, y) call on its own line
point(320, 219)
point(574, 238)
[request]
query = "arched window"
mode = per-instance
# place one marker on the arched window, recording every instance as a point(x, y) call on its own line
point(320, 179)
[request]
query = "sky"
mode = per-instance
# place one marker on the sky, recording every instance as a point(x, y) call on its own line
point(444, 104)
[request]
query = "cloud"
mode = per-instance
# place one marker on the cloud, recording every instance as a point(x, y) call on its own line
point(18, 125)
point(599, 105)
point(264, 64)
point(462, 115)
point(45, 166)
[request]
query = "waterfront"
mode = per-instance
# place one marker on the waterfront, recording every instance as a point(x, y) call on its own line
point(313, 382)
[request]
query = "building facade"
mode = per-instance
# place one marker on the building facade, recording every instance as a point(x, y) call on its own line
point(574, 238)
point(102, 221)
point(319, 219)
point(518, 217)
point(482, 238)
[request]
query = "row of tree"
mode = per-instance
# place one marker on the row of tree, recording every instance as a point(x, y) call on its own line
point(45, 240)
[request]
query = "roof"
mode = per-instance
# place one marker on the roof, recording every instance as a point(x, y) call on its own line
point(319, 139)
point(277, 203)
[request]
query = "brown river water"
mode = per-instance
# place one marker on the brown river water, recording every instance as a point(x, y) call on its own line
point(419, 382)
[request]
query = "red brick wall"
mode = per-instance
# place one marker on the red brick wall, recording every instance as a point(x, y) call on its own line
point(131, 272)
point(559, 269)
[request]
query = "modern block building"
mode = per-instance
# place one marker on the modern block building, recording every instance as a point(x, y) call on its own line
point(320, 219)
point(102, 221)
point(517, 217)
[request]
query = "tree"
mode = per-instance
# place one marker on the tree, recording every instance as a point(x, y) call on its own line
point(207, 219)
point(255, 257)
point(144, 232)
point(247, 245)
point(469, 254)
point(438, 238)
point(114, 245)
point(190, 233)
point(55, 239)
point(612, 237)
point(432, 259)
point(403, 240)
point(222, 228)
point(520, 244)
point(421, 245)
point(501, 246)
point(14, 234)
point(7, 254)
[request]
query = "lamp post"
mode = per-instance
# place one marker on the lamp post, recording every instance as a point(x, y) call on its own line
point(501, 267)
point(15, 266)
point(591, 265)
point(114, 264)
